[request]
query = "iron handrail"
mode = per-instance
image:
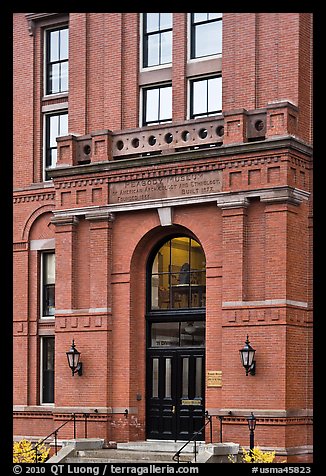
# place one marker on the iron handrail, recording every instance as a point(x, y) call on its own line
point(55, 432)
point(35, 448)
point(176, 456)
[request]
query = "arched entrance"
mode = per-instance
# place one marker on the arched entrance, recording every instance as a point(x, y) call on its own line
point(175, 340)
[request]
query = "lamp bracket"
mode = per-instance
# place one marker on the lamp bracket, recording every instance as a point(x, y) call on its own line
point(252, 369)
point(78, 370)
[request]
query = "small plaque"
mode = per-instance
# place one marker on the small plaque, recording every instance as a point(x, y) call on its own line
point(214, 378)
point(190, 402)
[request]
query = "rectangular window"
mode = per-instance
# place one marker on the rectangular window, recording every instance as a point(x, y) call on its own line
point(48, 284)
point(157, 105)
point(56, 125)
point(206, 34)
point(205, 97)
point(57, 46)
point(157, 39)
point(47, 370)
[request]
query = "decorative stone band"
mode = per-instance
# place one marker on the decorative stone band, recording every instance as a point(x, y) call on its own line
point(284, 194)
point(260, 413)
point(92, 310)
point(94, 410)
point(266, 302)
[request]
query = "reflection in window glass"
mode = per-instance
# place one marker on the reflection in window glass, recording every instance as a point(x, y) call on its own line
point(157, 103)
point(185, 377)
point(199, 365)
point(48, 287)
point(64, 44)
point(56, 125)
point(155, 378)
point(168, 377)
point(205, 97)
point(206, 34)
point(157, 39)
point(165, 113)
point(47, 370)
point(192, 334)
point(199, 102)
point(153, 49)
point(204, 46)
point(165, 334)
point(165, 20)
point(54, 45)
point(175, 334)
point(152, 22)
point(57, 49)
point(166, 47)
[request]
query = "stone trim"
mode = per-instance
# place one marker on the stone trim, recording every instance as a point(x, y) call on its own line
point(222, 199)
point(272, 413)
point(94, 410)
point(54, 409)
point(36, 245)
point(91, 310)
point(47, 18)
point(266, 302)
point(54, 107)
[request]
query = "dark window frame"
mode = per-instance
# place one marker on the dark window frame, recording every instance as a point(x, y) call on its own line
point(48, 147)
point(46, 288)
point(60, 62)
point(47, 374)
point(193, 28)
point(144, 99)
point(146, 36)
point(191, 97)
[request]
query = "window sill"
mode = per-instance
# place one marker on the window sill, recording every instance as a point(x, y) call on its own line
point(200, 66)
point(48, 97)
point(155, 75)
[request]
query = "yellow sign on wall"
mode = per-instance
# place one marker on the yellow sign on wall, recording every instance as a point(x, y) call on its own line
point(214, 378)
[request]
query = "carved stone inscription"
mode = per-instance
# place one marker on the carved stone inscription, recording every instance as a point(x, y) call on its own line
point(192, 184)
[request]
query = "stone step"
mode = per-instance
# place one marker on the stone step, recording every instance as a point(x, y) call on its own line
point(120, 461)
point(160, 446)
point(125, 456)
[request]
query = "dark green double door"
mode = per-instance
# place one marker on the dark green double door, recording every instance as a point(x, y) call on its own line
point(175, 404)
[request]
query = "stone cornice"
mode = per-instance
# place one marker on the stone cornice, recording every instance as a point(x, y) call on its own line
point(274, 145)
point(283, 194)
point(32, 18)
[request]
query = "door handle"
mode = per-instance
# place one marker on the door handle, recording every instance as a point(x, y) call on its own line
point(173, 408)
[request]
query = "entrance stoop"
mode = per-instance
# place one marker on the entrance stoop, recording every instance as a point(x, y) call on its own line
point(162, 446)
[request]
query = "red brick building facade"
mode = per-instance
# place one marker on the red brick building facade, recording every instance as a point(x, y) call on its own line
point(162, 213)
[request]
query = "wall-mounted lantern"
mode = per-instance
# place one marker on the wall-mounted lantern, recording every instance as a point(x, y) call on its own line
point(247, 354)
point(73, 357)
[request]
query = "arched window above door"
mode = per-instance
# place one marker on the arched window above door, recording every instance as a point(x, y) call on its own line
point(178, 275)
